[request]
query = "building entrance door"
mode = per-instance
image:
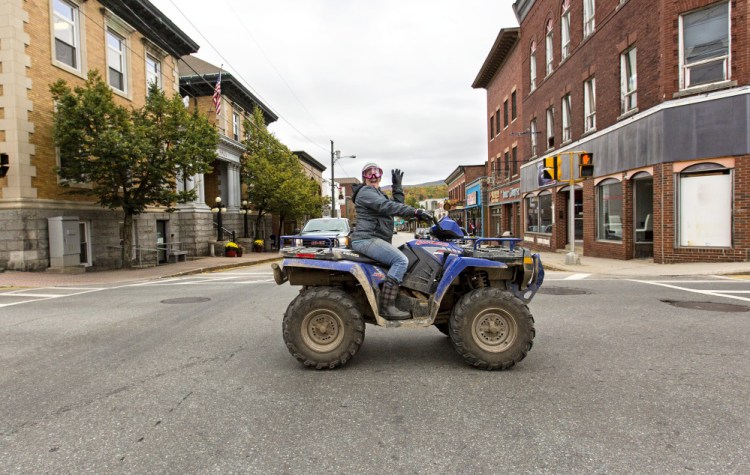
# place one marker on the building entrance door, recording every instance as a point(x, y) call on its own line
point(577, 214)
point(643, 216)
point(161, 240)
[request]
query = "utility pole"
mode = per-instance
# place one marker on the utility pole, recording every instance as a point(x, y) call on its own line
point(333, 186)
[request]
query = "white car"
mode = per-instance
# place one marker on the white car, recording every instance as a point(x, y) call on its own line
point(325, 228)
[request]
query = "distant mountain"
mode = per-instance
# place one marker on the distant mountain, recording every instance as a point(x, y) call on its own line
point(431, 183)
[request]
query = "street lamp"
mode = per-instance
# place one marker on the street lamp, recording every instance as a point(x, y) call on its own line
point(218, 210)
point(245, 211)
point(337, 155)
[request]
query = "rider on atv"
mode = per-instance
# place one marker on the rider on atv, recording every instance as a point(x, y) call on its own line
point(374, 231)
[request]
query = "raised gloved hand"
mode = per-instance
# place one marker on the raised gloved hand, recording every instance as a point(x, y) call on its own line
point(423, 215)
point(396, 177)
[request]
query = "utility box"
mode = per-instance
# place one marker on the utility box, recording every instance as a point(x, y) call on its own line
point(64, 242)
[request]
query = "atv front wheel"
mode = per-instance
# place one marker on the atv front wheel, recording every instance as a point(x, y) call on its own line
point(323, 327)
point(491, 328)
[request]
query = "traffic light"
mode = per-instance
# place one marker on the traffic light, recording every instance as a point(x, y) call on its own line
point(4, 164)
point(586, 164)
point(552, 168)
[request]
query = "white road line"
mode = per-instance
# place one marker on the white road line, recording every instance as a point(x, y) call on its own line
point(42, 296)
point(701, 292)
point(577, 276)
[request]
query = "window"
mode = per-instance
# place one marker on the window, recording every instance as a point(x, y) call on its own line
point(116, 64)
point(628, 80)
point(533, 132)
point(514, 161)
point(588, 17)
point(492, 127)
point(705, 206)
point(550, 128)
point(153, 71)
point(67, 34)
point(497, 122)
point(566, 118)
point(548, 48)
point(507, 164)
point(539, 213)
point(513, 109)
point(532, 66)
point(609, 210)
point(235, 126)
point(505, 112)
point(704, 53)
point(565, 31)
point(589, 104)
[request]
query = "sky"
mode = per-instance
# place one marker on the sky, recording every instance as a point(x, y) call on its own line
point(387, 80)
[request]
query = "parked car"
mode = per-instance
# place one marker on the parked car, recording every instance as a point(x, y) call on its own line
point(422, 233)
point(326, 228)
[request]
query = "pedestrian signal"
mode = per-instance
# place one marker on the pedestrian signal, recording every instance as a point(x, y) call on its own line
point(586, 164)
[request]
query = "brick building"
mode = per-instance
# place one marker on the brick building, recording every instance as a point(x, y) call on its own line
point(660, 99)
point(463, 183)
point(42, 41)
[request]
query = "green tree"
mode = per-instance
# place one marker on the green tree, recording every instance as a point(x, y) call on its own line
point(275, 180)
point(130, 159)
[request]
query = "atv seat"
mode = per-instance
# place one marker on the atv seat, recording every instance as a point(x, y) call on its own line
point(327, 254)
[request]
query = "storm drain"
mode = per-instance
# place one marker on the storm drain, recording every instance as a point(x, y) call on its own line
point(187, 300)
point(708, 306)
point(562, 291)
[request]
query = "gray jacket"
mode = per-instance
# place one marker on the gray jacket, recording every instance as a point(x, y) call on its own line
point(375, 212)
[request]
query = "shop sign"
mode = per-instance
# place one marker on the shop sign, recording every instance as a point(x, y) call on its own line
point(512, 193)
point(471, 199)
point(494, 196)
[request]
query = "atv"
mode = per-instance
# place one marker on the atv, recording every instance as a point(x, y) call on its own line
point(475, 291)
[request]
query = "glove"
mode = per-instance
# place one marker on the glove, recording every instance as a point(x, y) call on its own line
point(396, 177)
point(423, 215)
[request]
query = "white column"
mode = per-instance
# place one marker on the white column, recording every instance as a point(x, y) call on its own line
point(233, 186)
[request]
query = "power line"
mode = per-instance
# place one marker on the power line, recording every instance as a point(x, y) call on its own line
point(240, 76)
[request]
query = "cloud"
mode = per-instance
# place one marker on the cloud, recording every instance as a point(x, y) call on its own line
point(387, 80)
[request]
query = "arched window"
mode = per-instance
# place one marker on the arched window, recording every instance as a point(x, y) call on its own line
point(539, 212)
point(565, 30)
point(548, 54)
point(609, 210)
point(705, 206)
point(532, 66)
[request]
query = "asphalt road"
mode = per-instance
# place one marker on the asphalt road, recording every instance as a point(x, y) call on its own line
point(128, 380)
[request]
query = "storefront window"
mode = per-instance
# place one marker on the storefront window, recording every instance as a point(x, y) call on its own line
point(609, 210)
point(539, 213)
point(705, 206)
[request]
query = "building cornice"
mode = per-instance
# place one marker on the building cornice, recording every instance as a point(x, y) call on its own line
point(506, 40)
point(521, 8)
point(153, 24)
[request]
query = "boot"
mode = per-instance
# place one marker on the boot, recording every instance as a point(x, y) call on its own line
point(388, 296)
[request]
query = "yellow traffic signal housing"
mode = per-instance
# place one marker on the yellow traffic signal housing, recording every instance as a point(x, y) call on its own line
point(586, 164)
point(552, 168)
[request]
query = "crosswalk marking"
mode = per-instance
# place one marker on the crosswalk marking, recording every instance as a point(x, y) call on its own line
point(577, 276)
point(715, 293)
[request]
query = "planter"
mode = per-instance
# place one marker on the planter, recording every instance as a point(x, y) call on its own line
point(258, 248)
point(230, 253)
point(239, 252)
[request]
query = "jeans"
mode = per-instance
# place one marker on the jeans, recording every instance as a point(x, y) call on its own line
point(385, 253)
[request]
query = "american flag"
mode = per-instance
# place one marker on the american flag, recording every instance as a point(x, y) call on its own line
point(217, 96)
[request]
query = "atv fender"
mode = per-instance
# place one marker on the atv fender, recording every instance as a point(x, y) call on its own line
point(368, 276)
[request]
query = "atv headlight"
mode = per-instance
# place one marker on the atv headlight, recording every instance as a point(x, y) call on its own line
point(343, 241)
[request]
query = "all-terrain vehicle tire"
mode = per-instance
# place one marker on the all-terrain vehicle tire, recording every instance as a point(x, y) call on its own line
point(491, 328)
point(445, 328)
point(323, 327)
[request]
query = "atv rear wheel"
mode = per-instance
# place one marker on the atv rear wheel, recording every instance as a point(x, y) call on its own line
point(323, 327)
point(491, 328)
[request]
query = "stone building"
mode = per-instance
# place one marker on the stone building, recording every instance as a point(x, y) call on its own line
point(42, 41)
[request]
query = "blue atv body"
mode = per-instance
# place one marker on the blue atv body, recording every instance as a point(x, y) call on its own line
point(476, 291)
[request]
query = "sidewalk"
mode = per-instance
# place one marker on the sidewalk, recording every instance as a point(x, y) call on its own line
point(640, 267)
point(194, 266)
point(552, 261)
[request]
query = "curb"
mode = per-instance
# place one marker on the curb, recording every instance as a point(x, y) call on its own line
point(201, 270)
